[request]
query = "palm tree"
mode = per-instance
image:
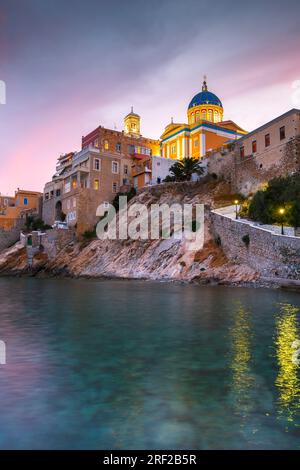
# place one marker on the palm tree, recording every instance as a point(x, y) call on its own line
point(183, 169)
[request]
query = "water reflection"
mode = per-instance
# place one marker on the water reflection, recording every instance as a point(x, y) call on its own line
point(241, 358)
point(287, 380)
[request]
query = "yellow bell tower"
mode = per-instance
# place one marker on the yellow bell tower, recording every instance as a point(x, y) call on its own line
point(132, 124)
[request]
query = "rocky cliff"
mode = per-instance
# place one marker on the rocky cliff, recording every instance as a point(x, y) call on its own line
point(144, 259)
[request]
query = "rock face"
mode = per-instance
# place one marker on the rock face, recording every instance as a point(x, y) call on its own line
point(147, 259)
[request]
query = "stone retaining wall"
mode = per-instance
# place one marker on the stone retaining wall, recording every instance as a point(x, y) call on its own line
point(270, 254)
point(9, 237)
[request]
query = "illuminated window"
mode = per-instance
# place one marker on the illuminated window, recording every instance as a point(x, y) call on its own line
point(96, 143)
point(115, 167)
point(210, 118)
point(74, 184)
point(106, 145)
point(216, 116)
point(192, 118)
point(96, 164)
point(133, 125)
point(203, 114)
point(96, 184)
point(197, 116)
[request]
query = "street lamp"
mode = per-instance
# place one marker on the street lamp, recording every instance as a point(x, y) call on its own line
point(281, 212)
point(236, 208)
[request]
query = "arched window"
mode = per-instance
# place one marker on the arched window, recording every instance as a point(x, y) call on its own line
point(216, 116)
point(192, 118)
point(106, 145)
point(197, 116)
point(203, 114)
point(210, 115)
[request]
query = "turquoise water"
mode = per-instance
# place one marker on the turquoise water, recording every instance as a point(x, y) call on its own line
point(140, 365)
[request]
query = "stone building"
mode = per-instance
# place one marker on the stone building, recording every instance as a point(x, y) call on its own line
point(102, 168)
point(204, 131)
point(268, 151)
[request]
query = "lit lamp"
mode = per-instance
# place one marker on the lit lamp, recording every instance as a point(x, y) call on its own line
point(236, 208)
point(281, 212)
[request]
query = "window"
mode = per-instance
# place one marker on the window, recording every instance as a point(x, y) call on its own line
point(74, 184)
point(96, 143)
point(173, 148)
point(67, 187)
point(254, 146)
point(115, 187)
point(216, 116)
point(242, 151)
point(267, 140)
point(118, 147)
point(106, 145)
point(96, 184)
point(282, 132)
point(96, 164)
point(115, 167)
point(25, 201)
point(192, 118)
point(210, 115)
point(57, 192)
point(133, 126)
point(46, 196)
point(74, 202)
point(197, 116)
point(203, 114)
point(125, 169)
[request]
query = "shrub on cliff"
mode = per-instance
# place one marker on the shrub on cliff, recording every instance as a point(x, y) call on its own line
point(282, 192)
point(130, 194)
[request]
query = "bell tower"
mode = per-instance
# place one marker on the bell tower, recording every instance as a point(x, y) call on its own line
point(132, 123)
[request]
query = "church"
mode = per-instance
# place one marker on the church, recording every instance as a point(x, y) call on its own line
point(204, 131)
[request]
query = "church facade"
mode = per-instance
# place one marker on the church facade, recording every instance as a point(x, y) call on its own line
point(204, 131)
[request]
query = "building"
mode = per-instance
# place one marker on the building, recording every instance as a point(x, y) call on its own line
point(102, 168)
point(150, 170)
point(204, 131)
point(271, 150)
point(15, 208)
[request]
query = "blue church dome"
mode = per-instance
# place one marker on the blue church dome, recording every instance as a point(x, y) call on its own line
point(205, 97)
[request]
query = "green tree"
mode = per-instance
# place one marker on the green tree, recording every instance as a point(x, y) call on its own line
point(183, 169)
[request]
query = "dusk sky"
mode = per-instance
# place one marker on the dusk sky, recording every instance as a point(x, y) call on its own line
point(70, 66)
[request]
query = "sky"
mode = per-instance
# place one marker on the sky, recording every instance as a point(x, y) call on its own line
point(70, 66)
